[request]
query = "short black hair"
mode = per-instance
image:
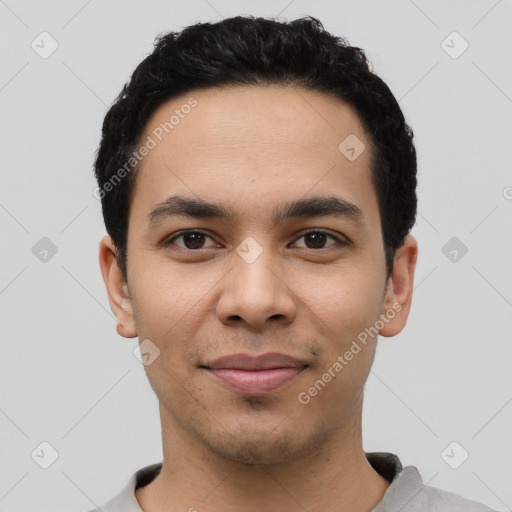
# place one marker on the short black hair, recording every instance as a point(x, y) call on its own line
point(248, 50)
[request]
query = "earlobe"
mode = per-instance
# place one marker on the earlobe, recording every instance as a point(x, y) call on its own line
point(117, 289)
point(397, 302)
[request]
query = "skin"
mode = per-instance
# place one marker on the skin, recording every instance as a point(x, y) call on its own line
point(251, 148)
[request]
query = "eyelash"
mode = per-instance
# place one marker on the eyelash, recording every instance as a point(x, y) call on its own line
point(180, 234)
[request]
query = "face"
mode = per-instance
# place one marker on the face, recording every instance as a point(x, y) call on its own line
point(271, 244)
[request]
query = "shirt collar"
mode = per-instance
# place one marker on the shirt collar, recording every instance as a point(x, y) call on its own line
point(406, 483)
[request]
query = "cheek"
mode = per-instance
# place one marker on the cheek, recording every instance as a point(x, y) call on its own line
point(343, 303)
point(167, 298)
point(343, 319)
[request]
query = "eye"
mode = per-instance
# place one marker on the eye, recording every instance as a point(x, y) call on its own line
point(315, 239)
point(192, 240)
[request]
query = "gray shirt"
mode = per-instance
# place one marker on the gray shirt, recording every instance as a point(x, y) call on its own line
point(407, 493)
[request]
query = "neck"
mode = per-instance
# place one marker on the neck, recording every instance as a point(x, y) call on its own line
point(335, 477)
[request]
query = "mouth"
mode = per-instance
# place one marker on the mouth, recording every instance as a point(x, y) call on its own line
point(255, 376)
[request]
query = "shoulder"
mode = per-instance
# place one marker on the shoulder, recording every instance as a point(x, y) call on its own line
point(126, 501)
point(432, 498)
point(408, 493)
point(414, 496)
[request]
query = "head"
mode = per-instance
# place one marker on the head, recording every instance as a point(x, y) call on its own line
point(290, 167)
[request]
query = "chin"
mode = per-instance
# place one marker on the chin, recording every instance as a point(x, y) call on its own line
point(248, 444)
point(257, 452)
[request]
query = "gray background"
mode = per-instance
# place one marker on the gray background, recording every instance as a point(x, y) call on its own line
point(67, 378)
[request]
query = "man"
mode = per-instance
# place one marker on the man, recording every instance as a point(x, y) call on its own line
point(258, 186)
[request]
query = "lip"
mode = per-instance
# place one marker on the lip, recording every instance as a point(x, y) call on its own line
point(255, 375)
point(267, 361)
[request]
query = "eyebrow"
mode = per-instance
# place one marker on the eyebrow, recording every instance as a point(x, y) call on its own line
point(309, 207)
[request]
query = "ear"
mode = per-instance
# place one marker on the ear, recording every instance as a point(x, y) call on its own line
point(117, 289)
point(397, 301)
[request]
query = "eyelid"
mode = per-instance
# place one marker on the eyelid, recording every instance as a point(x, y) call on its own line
point(340, 240)
point(174, 236)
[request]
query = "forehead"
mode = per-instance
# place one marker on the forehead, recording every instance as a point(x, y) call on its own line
point(259, 115)
point(225, 139)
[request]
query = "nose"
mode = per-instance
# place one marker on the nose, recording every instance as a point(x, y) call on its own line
point(256, 292)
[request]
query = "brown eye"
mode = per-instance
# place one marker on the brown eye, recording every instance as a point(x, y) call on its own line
point(316, 239)
point(192, 240)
